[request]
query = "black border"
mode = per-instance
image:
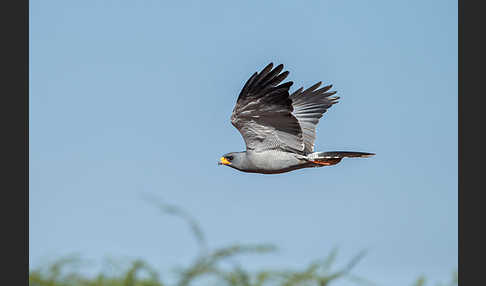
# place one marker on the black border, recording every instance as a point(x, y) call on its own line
point(470, 148)
point(460, 131)
point(15, 118)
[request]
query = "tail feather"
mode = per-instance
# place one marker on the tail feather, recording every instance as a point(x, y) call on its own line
point(334, 157)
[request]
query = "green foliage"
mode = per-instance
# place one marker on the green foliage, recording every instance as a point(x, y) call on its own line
point(421, 281)
point(58, 274)
point(209, 264)
point(316, 273)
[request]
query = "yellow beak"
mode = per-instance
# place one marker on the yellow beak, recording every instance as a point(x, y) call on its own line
point(224, 161)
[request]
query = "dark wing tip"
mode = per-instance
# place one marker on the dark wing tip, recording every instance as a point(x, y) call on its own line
point(311, 90)
point(265, 81)
point(283, 75)
point(297, 92)
point(287, 84)
point(267, 68)
point(314, 86)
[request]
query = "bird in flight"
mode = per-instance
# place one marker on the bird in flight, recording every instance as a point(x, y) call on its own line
point(279, 128)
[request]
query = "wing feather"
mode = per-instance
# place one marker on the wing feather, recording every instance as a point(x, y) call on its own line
point(308, 107)
point(263, 113)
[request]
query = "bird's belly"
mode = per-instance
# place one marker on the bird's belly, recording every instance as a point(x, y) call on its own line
point(274, 162)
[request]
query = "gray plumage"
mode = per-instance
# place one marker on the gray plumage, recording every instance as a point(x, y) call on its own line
point(279, 129)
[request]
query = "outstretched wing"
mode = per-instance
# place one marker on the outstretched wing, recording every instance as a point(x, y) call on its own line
point(309, 106)
point(263, 113)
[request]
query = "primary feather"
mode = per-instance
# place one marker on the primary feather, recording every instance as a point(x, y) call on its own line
point(263, 113)
point(309, 106)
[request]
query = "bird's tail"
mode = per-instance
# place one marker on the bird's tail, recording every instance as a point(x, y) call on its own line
point(334, 157)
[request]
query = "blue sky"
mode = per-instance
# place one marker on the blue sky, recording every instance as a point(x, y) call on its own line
point(134, 97)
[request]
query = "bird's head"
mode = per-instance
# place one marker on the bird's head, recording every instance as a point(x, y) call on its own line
point(233, 159)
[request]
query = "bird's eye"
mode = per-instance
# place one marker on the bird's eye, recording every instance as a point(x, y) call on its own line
point(229, 158)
